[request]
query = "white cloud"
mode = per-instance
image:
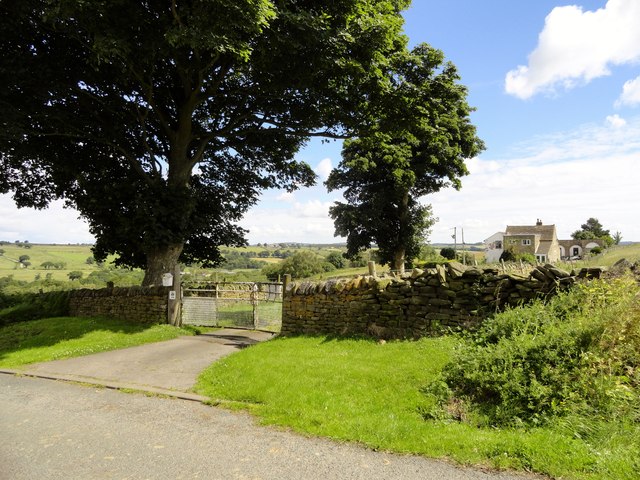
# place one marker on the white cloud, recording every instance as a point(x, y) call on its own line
point(615, 121)
point(285, 196)
point(53, 225)
point(630, 93)
point(306, 222)
point(576, 46)
point(323, 169)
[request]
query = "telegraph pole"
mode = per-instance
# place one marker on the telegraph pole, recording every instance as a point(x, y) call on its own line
point(464, 251)
point(455, 241)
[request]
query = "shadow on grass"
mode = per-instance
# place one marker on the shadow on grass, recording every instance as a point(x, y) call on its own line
point(49, 332)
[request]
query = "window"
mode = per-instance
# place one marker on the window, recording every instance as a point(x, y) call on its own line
point(576, 251)
point(498, 244)
point(541, 258)
point(526, 241)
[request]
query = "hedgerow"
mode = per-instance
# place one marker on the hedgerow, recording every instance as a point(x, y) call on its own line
point(579, 353)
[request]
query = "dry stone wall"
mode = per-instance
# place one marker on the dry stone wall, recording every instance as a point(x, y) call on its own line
point(419, 303)
point(137, 304)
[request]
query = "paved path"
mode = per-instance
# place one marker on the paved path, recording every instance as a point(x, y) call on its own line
point(170, 367)
point(56, 430)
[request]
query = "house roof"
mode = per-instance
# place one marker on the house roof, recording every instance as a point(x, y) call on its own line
point(546, 232)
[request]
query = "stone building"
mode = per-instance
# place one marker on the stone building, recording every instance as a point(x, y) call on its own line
point(538, 240)
point(578, 249)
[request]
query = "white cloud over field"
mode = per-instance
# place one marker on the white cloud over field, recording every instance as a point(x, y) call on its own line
point(576, 46)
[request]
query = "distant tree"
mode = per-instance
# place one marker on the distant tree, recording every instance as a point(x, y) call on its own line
point(427, 252)
point(419, 144)
point(59, 265)
point(1, 251)
point(90, 261)
point(234, 260)
point(337, 260)
point(593, 229)
point(358, 261)
point(465, 257)
point(596, 251)
point(301, 264)
point(264, 254)
point(75, 275)
point(617, 238)
point(47, 265)
point(448, 253)
point(23, 258)
point(26, 263)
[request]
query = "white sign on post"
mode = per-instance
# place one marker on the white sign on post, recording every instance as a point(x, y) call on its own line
point(172, 295)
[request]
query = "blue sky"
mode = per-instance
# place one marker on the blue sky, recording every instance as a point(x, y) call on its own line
point(557, 90)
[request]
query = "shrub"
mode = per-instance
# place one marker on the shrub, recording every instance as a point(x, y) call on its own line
point(300, 265)
point(35, 306)
point(337, 260)
point(448, 253)
point(580, 352)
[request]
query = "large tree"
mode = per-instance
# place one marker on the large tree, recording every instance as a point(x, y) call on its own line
point(161, 121)
point(592, 228)
point(417, 146)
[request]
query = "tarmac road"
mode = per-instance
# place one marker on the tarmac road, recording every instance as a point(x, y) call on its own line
point(55, 430)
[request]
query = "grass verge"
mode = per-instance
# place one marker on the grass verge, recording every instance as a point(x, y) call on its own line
point(65, 337)
point(369, 392)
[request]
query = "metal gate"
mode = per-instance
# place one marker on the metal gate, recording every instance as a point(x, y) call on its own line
point(249, 305)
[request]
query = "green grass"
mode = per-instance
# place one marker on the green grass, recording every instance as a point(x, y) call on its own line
point(65, 337)
point(74, 256)
point(368, 392)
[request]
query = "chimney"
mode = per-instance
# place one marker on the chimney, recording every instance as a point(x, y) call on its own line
point(538, 222)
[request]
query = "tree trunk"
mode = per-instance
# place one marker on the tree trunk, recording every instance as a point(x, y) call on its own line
point(398, 260)
point(403, 215)
point(161, 260)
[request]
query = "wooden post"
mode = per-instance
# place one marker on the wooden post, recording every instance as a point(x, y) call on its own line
point(285, 283)
point(174, 306)
point(372, 268)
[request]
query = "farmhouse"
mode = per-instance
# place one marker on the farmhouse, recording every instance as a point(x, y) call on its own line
point(539, 240)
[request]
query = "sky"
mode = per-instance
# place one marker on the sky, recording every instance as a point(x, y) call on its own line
point(556, 87)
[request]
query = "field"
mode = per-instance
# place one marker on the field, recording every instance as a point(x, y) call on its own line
point(74, 258)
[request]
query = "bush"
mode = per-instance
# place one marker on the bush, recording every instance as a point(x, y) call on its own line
point(336, 259)
point(300, 265)
point(578, 353)
point(448, 253)
point(35, 306)
point(510, 256)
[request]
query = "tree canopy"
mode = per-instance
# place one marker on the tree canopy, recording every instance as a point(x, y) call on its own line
point(162, 121)
point(592, 228)
point(417, 146)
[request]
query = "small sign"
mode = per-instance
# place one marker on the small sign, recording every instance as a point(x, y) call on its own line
point(172, 295)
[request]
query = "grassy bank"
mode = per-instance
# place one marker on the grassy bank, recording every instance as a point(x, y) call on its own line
point(65, 337)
